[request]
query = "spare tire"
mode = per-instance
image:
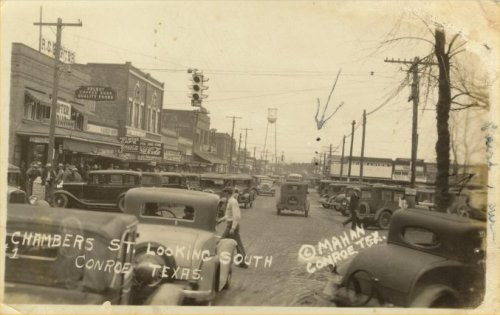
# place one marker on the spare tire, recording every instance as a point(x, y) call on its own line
point(146, 262)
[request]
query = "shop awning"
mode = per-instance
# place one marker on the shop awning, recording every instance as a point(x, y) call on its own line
point(209, 158)
point(38, 129)
point(40, 97)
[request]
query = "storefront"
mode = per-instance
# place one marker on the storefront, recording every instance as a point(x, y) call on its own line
point(141, 154)
point(211, 161)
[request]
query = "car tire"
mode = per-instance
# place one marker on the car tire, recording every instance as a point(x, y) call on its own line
point(121, 203)
point(325, 206)
point(384, 219)
point(437, 295)
point(61, 201)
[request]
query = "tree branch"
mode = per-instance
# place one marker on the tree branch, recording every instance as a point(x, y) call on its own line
point(451, 42)
point(409, 38)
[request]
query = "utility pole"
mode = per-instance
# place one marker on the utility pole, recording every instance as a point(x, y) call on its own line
point(329, 161)
point(324, 164)
point(415, 98)
point(362, 148)
point(40, 32)
point(245, 156)
point(342, 159)
point(239, 152)
point(232, 148)
point(350, 154)
point(55, 86)
point(254, 160)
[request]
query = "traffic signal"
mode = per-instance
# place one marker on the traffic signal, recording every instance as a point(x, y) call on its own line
point(197, 88)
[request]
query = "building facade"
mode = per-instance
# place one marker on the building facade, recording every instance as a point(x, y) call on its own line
point(77, 139)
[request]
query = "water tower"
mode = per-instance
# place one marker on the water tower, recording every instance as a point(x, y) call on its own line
point(272, 116)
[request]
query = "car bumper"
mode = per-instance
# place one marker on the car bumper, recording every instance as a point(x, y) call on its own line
point(198, 296)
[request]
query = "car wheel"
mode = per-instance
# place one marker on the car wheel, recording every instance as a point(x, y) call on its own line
point(325, 206)
point(384, 220)
point(436, 296)
point(61, 201)
point(121, 203)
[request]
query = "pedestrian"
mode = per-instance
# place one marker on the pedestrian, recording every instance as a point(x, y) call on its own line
point(48, 179)
point(22, 177)
point(353, 209)
point(233, 218)
point(31, 174)
point(67, 173)
point(59, 175)
point(75, 176)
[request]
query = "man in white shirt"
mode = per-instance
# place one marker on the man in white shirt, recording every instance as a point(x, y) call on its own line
point(233, 218)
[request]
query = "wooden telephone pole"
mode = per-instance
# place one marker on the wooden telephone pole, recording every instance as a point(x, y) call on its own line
point(239, 153)
point(350, 154)
point(415, 98)
point(55, 84)
point(342, 159)
point(362, 148)
point(229, 169)
point(245, 155)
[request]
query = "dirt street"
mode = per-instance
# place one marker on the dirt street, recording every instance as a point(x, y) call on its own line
point(264, 233)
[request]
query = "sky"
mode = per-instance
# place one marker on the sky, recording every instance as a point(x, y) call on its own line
point(261, 55)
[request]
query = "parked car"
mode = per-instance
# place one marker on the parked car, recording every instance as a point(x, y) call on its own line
point(430, 260)
point(173, 180)
point(212, 183)
point(293, 177)
point(193, 181)
point(322, 185)
point(177, 243)
point(246, 187)
point(13, 176)
point(104, 189)
point(293, 197)
point(44, 271)
point(266, 187)
point(377, 203)
point(330, 192)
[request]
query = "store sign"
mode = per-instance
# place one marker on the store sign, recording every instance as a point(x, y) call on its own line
point(136, 133)
point(410, 191)
point(102, 130)
point(142, 147)
point(95, 93)
point(39, 140)
point(172, 155)
point(65, 55)
point(63, 110)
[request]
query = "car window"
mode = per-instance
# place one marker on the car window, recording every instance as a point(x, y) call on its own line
point(293, 187)
point(420, 237)
point(397, 196)
point(115, 179)
point(366, 194)
point(148, 180)
point(386, 195)
point(98, 179)
point(171, 180)
point(130, 179)
point(168, 211)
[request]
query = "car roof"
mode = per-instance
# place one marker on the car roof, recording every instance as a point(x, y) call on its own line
point(238, 176)
point(454, 232)
point(13, 168)
point(127, 172)
point(150, 173)
point(300, 183)
point(170, 174)
point(106, 224)
point(206, 202)
point(213, 176)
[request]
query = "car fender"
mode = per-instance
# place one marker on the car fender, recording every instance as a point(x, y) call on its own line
point(225, 250)
point(71, 196)
point(208, 275)
point(120, 195)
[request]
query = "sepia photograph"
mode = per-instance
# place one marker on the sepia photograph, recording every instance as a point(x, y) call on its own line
point(244, 157)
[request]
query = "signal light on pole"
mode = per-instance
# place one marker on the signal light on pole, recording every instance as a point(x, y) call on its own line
point(197, 88)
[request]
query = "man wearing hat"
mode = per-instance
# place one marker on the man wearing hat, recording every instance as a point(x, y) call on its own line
point(48, 179)
point(32, 173)
point(233, 218)
point(353, 208)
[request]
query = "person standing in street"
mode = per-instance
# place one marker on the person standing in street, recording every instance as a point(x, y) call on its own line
point(48, 180)
point(31, 174)
point(233, 219)
point(353, 209)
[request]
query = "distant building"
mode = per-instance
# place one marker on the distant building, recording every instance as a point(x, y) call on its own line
point(376, 168)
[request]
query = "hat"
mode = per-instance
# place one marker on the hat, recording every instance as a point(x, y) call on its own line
point(61, 165)
point(48, 165)
point(74, 168)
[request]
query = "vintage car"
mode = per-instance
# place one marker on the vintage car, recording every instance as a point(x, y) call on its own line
point(341, 201)
point(330, 192)
point(104, 189)
point(377, 203)
point(212, 183)
point(266, 187)
point(14, 193)
point(245, 184)
point(293, 197)
point(163, 179)
point(430, 260)
point(177, 243)
point(61, 256)
point(322, 185)
point(192, 181)
point(293, 177)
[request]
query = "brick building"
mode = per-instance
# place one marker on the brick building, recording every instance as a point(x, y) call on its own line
point(136, 111)
point(80, 135)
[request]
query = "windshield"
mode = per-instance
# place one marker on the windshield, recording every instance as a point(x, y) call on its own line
point(212, 183)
